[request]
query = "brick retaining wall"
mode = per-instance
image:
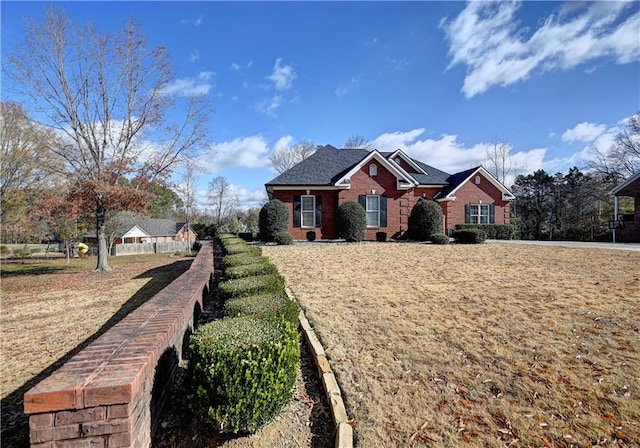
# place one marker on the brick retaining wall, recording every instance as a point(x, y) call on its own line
point(109, 394)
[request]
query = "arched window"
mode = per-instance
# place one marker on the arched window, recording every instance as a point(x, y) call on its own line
point(373, 169)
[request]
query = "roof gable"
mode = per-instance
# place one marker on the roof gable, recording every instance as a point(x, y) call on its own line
point(405, 181)
point(628, 184)
point(456, 181)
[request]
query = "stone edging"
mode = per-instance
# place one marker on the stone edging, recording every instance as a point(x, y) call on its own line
point(344, 431)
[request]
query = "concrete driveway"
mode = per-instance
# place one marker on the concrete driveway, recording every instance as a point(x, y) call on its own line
point(578, 244)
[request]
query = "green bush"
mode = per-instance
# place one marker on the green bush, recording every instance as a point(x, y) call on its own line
point(24, 252)
point(273, 219)
point(5, 250)
point(242, 371)
point(493, 231)
point(242, 258)
point(469, 236)
point(283, 238)
point(439, 238)
point(256, 284)
point(243, 248)
point(425, 220)
point(311, 235)
point(262, 267)
point(351, 220)
point(263, 306)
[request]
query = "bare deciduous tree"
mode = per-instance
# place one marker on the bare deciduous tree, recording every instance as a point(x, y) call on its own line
point(108, 95)
point(500, 161)
point(357, 142)
point(223, 199)
point(623, 158)
point(285, 158)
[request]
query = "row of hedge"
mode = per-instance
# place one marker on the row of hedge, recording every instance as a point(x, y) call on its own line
point(242, 368)
point(492, 231)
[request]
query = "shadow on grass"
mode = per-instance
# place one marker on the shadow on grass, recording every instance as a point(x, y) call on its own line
point(15, 424)
point(16, 269)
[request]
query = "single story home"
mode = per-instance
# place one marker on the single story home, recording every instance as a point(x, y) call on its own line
point(142, 229)
point(387, 185)
point(628, 230)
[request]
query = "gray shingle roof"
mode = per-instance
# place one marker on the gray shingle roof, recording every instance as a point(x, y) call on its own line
point(454, 182)
point(328, 164)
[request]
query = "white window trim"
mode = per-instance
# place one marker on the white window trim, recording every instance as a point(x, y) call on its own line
point(479, 215)
point(371, 211)
point(302, 211)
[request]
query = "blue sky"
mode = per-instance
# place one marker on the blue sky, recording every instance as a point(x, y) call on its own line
point(439, 80)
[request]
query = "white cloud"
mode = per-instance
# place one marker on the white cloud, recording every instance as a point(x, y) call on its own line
point(194, 22)
point(282, 76)
point(584, 132)
point(270, 105)
point(235, 66)
point(346, 87)
point(488, 38)
point(241, 152)
point(194, 56)
point(446, 153)
point(199, 85)
point(250, 198)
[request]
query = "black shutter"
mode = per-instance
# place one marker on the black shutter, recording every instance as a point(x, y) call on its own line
point(492, 213)
point(467, 213)
point(362, 199)
point(318, 210)
point(296, 211)
point(383, 211)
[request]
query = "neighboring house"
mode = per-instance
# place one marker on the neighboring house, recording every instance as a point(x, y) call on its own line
point(387, 185)
point(630, 232)
point(142, 229)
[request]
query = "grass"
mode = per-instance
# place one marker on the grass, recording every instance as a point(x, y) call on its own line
point(50, 310)
point(486, 345)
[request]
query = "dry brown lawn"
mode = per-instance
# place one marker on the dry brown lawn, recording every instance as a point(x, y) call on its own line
point(477, 345)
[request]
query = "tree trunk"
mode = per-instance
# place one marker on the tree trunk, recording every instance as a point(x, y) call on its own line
point(103, 265)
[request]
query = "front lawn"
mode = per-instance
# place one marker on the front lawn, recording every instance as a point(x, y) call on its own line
point(485, 345)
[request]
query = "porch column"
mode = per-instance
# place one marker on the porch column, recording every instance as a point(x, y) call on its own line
point(615, 215)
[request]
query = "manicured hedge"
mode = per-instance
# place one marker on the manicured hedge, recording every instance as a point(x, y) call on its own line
point(273, 219)
point(242, 371)
point(439, 238)
point(262, 267)
point(469, 236)
point(425, 220)
point(242, 258)
point(283, 238)
point(241, 248)
point(251, 285)
point(351, 221)
point(264, 306)
point(493, 231)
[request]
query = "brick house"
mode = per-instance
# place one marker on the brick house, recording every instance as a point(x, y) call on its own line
point(387, 185)
point(630, 233)
point(142, 229)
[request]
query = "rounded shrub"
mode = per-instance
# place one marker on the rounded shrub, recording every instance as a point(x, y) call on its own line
point(241, 248)
point(242, 371)
point(311, 235)
point(470, 236)
point(273, 219)
point(283, 238)
point(242, 258)
point(263, 306)
point(351, 220)
point(425, 220)
point(439, 238)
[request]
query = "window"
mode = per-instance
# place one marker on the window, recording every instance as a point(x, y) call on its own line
point(373, 211)
point(373, 170)
point(308, 211)
point(480, 214)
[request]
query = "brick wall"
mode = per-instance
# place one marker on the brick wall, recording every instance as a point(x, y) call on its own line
point(109, 393)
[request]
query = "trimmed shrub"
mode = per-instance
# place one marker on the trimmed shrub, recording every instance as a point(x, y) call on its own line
point(247, 270)
point(311, 235)
point(242, 248)
point(381, 237)
point(469, 236)
point(256, 284)
point(283, 239)
point(263, 306)
point(351, 220)
point(425, 220)
point(273, 219)
point(493, 231)
point(439, 238)
point(242, 371)
point(240, 259)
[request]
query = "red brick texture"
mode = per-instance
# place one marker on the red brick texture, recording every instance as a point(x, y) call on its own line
point(101, 397)
point(399, 203)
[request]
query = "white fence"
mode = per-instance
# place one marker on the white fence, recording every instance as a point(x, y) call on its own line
point(149, 248)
